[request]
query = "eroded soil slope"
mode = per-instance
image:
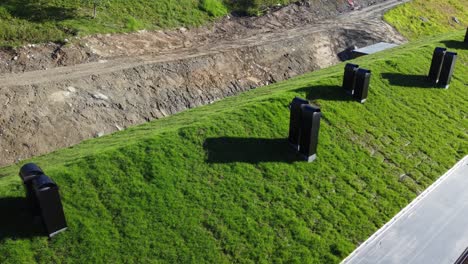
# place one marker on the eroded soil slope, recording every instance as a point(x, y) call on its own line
point(143, 79)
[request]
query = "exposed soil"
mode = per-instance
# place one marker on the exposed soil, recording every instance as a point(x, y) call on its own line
point(111, 82)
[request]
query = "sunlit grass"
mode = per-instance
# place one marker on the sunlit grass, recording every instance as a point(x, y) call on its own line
point(420, 18)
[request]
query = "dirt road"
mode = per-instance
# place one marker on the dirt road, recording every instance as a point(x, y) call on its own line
point(133, 81)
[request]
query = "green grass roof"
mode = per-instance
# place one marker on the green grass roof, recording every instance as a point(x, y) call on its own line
point(218, 183)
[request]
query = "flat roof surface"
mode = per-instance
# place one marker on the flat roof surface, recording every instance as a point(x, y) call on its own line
point(431, 229)
point(375, 48)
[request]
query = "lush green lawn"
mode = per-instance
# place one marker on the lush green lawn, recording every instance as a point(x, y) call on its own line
point(219, 184)
point(28, 21)
point(428, 17)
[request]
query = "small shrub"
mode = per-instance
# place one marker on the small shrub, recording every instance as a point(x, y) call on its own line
point(133, 24)
point(213, 7)
point(4, 14)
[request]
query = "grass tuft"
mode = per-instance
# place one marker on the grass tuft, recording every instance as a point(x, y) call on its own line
point(213, 7)
point(133, 24)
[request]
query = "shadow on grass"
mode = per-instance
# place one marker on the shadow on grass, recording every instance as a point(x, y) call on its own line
point(408, 80)
point(325, 92)
point(455, 44)
point(16, 221)
point(34, 11)
point(249, 150)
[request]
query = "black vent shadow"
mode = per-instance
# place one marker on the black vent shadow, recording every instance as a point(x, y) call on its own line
point(408, 80)
point(346, 54)
point(16, 221)
point(455, 44)
point(325, 92)
point(249, 150)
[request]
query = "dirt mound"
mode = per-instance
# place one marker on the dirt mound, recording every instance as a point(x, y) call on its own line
point(42, 57)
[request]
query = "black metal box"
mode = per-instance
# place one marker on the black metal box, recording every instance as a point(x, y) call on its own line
point(27, 173)
point(349, 77)
point(436, 65)
point(447, 69)
point(43, 198)
point(361, 89)
point(295, 121)
point(311, 116)
point(50, 205)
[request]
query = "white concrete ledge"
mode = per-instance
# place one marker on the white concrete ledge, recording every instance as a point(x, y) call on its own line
point(433, 228)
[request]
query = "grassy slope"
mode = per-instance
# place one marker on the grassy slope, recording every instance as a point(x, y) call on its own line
point(217, 183)
point(408, 19)
point(25, 21)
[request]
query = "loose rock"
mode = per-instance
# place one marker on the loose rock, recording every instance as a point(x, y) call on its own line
point(100, 96)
